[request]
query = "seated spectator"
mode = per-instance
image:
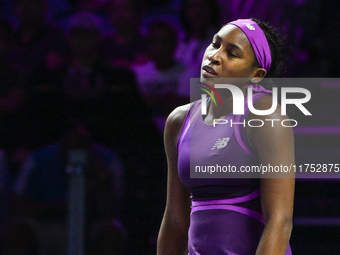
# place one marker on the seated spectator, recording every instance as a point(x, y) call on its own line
point(13, 93)
point(199, 18)
point(43, 203)
point(159, 78)
point(277, 13)
point(126, 45)
point(38, 45)
point(84, 37)
point(104, 99)
point(97, 7)
point(85, 77)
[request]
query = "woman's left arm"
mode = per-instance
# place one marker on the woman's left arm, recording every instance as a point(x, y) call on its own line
point(275, 146)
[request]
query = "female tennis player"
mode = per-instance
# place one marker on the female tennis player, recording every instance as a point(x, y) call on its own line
point(230, 216)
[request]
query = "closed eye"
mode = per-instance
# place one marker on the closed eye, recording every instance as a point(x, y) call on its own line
point(233, 55)
point(214, 45)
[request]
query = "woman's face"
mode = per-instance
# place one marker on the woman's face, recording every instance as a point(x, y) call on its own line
point(230, 55)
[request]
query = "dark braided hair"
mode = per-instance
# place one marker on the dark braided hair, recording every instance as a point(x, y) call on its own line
point(277, 51)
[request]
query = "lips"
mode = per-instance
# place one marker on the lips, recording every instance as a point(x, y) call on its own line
point(209, 70)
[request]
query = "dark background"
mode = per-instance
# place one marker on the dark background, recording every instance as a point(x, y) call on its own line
point(37, 108)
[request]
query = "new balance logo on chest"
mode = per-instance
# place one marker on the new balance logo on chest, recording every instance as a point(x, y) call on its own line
point(221, 143)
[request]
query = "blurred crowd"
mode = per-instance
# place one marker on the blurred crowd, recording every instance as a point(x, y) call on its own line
point(97, 79)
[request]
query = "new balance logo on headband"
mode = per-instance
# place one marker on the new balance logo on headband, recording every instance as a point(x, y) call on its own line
point(249, 26)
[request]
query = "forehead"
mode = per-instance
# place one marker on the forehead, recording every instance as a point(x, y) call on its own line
point(234, 35)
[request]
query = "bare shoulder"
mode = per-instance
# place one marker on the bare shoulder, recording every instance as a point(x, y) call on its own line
point(271, 129)
point(265, 103)
point(177, 116)
point(175, 122)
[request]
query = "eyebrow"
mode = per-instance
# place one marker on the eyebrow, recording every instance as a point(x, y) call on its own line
point(235, 46)
point(229, 44)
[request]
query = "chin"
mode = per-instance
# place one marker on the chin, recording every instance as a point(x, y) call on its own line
point(208, 81)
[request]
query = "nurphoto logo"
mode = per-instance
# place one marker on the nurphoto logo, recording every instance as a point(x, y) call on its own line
point(238, 104)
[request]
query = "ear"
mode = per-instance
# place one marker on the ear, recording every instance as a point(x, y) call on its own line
point(258, 75)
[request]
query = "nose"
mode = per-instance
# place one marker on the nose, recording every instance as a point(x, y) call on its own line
point(214, 58)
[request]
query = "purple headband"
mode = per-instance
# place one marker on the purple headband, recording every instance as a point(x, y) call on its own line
point(257, 39)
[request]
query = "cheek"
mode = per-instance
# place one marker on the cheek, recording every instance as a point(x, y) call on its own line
point(248, 68)
point(237, 69)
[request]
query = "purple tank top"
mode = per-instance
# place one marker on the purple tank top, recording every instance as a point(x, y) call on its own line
point(226, 212)
point(198, 141)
